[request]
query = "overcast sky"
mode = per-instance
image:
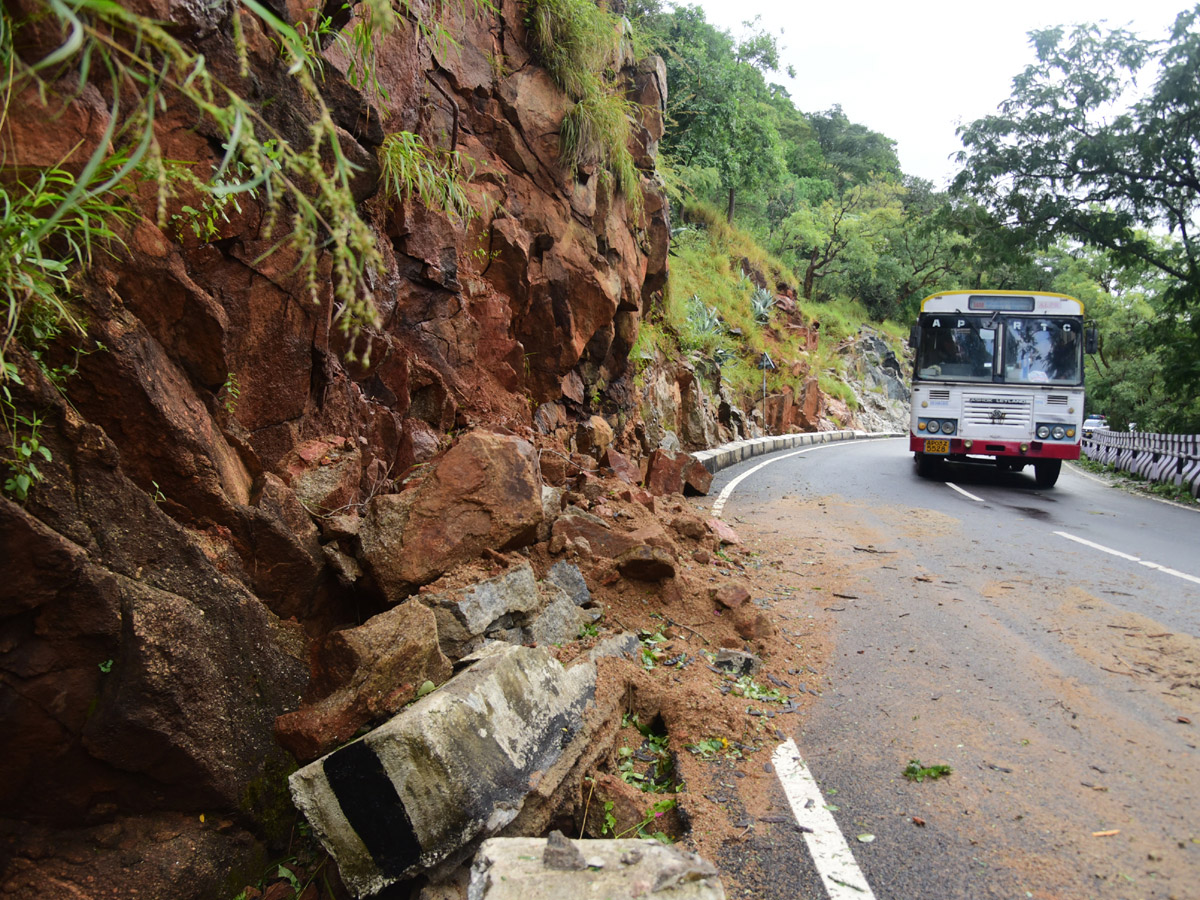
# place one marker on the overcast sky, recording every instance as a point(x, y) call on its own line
point(915, 71)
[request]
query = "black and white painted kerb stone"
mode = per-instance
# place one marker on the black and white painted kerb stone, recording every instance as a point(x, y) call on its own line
point(449, 771)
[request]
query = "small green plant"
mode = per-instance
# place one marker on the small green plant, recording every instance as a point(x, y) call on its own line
point(590, 630)
point(654, 811)
point(610, 821)
point(712, 748)
point(25, 447)
point(914, 771)
point(750, 689)
point(229, 394)
point(658, 778)
point(106, 666)
point(762, 302)
point(582, 45)
point(158, 496)
point(438, 178)
point(650, 653)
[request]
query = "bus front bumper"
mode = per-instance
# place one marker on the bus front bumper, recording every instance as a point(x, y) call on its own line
point(974, 447)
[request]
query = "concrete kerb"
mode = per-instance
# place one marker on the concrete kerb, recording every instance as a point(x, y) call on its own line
point(717, 458)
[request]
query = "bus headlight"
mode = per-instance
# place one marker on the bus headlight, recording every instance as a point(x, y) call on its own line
point(1058, 432)
point(949, 426)
point(934, 427)
point(1043, 432)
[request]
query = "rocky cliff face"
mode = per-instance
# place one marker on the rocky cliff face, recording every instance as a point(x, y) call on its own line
point(215, 450)
point(231, 493)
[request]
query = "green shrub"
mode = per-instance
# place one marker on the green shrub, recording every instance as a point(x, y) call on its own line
point(582, 47)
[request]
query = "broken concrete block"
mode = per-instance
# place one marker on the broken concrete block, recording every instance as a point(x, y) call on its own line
point(514, 869)
point(449, 771)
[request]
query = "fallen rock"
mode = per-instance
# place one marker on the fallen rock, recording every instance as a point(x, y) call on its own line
point(603, 541)
point(558, 623)
point(552, 504)
point(372, 671)
point(690, 527)
point(593, 437)
point(325, 474)
point(622, 466)
point(484, 493)
point(752, 624)
point(737, 662)
point(625, 644)
point(672, 472)
point(729, 596)
point(561, 853)
point(646, 563)
point(568, 577)
point(723, 532)
point(513, 869)
point(505, 602)
point(449, 771)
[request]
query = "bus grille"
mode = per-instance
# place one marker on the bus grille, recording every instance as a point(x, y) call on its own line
point(998, 412)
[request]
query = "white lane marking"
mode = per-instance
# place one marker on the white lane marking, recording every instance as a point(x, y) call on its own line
point(967, 494)
point(1137, 559)
point(728, 490)
point(839, 872)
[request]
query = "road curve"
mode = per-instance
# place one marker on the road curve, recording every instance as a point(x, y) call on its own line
point(1042, 643)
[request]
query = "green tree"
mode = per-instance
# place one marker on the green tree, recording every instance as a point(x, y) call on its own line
point(719, 112)
point(845, 232)
point(1057, 162)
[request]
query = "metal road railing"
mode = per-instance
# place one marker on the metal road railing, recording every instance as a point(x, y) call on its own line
point(1165, 458)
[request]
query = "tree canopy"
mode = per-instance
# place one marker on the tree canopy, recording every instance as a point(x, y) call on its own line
point(1069, 156)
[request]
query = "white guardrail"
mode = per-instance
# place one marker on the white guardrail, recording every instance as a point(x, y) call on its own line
point(1166, 458)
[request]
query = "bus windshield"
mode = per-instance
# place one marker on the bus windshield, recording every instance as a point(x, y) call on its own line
point(1042, 351)
point(957, 348)
point(1003, 349)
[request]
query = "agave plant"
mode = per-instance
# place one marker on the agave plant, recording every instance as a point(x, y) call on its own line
point(705, 319)
point(761, 302)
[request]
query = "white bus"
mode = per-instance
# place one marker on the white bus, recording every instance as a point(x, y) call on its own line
point(998, 375)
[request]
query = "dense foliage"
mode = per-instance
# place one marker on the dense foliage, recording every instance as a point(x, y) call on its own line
point(1079, 183)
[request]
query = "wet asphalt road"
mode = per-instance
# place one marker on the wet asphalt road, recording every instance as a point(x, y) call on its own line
point(1051, 676)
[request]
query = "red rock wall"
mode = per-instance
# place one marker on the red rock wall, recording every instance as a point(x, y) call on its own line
point(160, 587)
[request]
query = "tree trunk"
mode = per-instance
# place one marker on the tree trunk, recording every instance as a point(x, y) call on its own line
point(729, 209)
point(810, 275)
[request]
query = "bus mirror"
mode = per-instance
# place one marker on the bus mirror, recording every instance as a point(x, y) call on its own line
point(1092, 339)
point(914, 337)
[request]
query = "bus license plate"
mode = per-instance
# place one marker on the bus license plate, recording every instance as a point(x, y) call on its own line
point(937, 446)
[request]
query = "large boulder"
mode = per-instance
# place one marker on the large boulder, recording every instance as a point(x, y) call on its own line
point(451, 770)
point(485, 493)
point(669, 472)
point(370, 672)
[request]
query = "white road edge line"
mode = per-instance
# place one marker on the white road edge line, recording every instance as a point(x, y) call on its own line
point(967, 494)
point(1137, 559)
point(839, 872)
point(727, 491)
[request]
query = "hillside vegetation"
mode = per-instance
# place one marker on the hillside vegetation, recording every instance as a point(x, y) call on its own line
point(1052, 196)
